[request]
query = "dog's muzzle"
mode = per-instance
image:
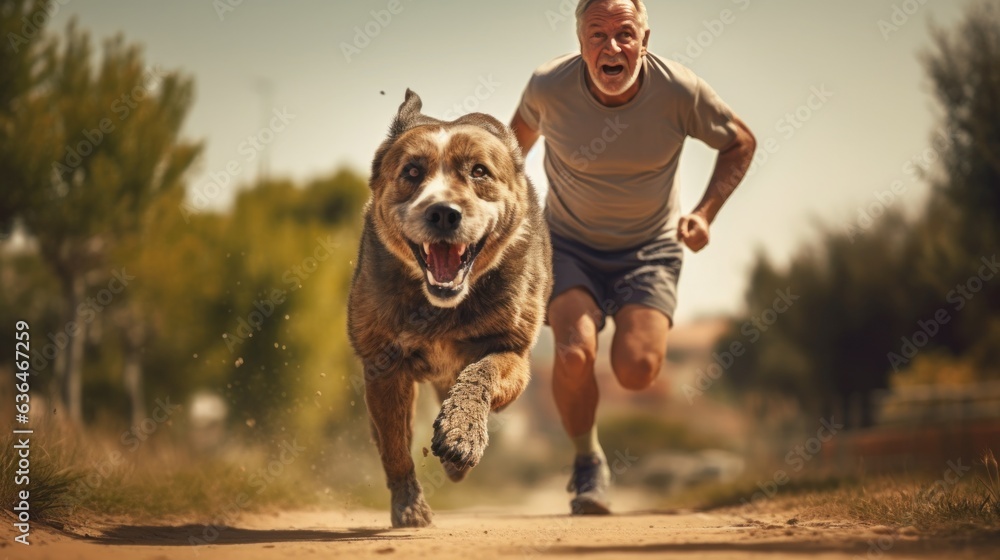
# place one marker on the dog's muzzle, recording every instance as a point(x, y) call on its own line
point(446, 265)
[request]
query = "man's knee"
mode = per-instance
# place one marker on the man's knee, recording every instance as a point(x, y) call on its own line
point(636, 371)
point(574, 317)
point(576, 361)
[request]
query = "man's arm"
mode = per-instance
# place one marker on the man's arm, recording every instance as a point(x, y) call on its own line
point(733, 162)
point(526, 136)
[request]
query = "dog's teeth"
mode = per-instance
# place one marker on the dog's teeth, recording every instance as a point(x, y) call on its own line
point(460, 278)
point(433, 281)
point(427, 248)
point(461, 249)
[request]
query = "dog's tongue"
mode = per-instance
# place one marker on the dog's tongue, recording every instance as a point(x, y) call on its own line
point(444, 261)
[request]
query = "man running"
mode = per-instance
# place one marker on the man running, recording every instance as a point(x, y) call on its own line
point(614, 118)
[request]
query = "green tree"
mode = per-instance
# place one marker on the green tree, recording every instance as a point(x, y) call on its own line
point(21, 68)
point(95, 146)
point(963, 216)
point(862, 293)
point(828, 349)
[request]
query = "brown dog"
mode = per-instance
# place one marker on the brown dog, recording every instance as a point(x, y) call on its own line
point(451, 285)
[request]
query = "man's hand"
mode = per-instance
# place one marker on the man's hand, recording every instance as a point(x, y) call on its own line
point(733, 162)
point(693, 231)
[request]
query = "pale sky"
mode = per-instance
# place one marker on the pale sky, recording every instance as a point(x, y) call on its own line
point(765, 60)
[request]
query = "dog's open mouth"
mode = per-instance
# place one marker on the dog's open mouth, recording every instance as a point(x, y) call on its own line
point(446, 265)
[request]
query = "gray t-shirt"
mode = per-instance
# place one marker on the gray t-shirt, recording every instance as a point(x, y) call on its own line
point(611, 170)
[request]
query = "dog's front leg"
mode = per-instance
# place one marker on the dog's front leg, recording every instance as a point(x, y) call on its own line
point(391, 400)
point(460, 433)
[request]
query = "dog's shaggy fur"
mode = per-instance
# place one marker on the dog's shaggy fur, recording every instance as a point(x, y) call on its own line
point(451, 284)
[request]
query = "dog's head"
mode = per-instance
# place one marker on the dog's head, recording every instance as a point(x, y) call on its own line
point(448, 197)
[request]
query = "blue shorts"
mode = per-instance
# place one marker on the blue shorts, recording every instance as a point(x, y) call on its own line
point(644, 275)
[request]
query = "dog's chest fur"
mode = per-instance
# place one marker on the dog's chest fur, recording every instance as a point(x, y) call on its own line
point(433, 360)
point(437, 343)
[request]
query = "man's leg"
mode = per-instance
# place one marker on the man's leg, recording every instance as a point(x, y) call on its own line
point(639, 345)
point(574, 317)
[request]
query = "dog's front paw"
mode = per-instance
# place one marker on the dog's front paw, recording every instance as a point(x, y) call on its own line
point(413, 514)
point(455, 472)
point(409, 509)
point(460, 434)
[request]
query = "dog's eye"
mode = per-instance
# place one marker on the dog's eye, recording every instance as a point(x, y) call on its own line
point(480, 171)
point(412, 172)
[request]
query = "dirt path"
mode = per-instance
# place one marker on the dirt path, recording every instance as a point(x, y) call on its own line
point(536, 530)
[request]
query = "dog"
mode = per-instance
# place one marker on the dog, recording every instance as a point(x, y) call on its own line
point(451, 285)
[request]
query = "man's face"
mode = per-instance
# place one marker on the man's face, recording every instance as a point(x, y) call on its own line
point(612, 44)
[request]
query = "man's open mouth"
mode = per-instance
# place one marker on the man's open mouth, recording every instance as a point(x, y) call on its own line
point(612, 70)
point(446, 266)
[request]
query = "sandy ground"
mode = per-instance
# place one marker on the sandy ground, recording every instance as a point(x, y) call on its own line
point(538, 529)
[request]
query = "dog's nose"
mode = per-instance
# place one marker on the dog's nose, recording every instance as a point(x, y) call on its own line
point(445, 217)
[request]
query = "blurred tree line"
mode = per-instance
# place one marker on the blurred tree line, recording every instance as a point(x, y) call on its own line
point(131, 297)
point(889, 299)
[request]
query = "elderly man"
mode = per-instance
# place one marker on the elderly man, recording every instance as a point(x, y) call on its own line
point(614, 118)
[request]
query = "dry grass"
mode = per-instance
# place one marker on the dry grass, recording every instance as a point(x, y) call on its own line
point(991, 484)
point(947, 505)
point(50, 479)
point(79, 478)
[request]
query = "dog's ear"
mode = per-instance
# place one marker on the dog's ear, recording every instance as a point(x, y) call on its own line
point(409, 112)
point(406, 117)
point(498, 129)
